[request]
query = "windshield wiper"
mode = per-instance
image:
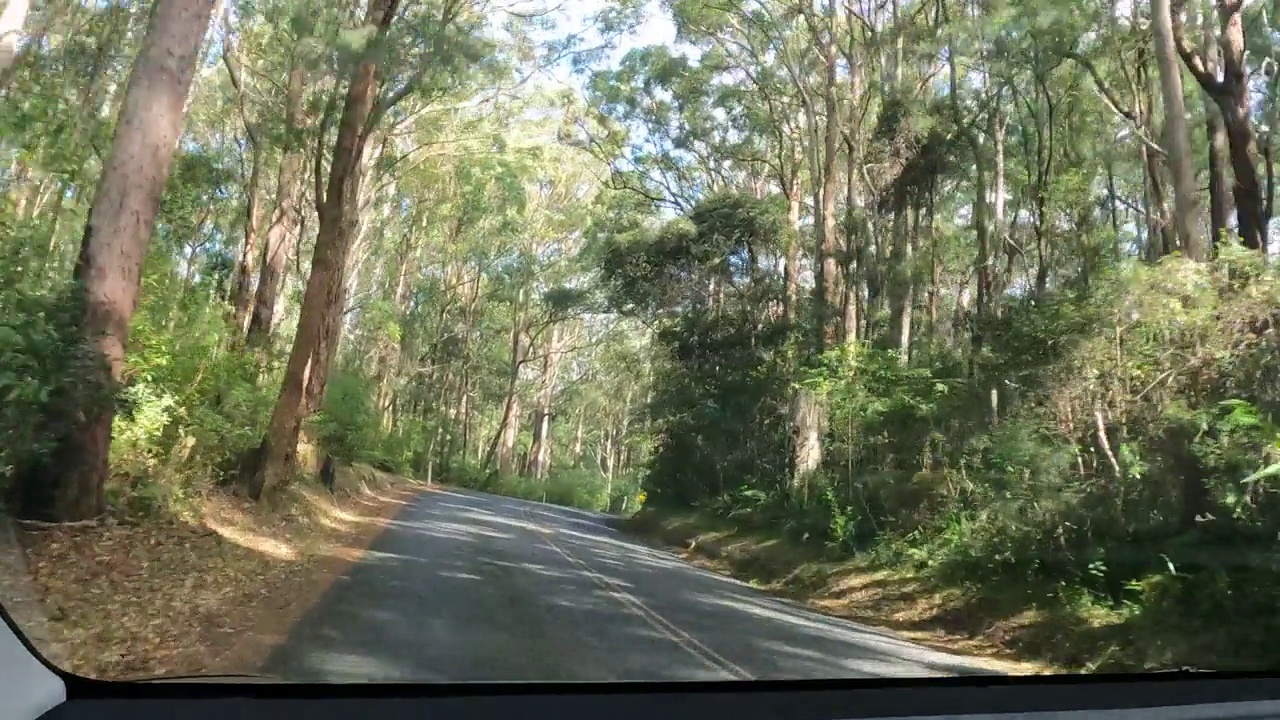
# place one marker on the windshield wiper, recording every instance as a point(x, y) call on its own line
point(226, 677)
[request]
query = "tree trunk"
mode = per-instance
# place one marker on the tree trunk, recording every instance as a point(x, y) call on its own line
point(808, 427)
point(540, 452)
point(577, 441)
point(242, 294)
point(509, 433)
point(1232, 95)
point(275, 456)
point(1247, 189)
point(791, 269)
point(1241, 138)
point(1176, 136)
point(854, 207)
point(1159, 231)
point(392, 352)
point(109, 269)
point(807, 410)
point(242, 288)
point(283, 219)
point(504, 440)
point(620, 464)
point(829, 291)
point(901, 259)
point(1216, 134)
point(325, 351)
point(606, 456)
point(11, 22)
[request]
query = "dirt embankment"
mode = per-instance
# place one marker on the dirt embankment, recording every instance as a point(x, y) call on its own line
point(209, 590)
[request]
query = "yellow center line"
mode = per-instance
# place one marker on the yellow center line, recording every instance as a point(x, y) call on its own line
point(659, 623)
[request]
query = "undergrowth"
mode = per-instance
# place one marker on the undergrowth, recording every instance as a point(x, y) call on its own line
point(1110, 458)
point(580, 488)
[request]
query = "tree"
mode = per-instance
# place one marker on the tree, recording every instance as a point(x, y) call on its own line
point(1232, 96)
point(108, 271)
point(275, 456)
point(1177, 137)
point(283, 223)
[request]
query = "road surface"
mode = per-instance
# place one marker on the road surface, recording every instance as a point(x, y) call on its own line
point(473, 587)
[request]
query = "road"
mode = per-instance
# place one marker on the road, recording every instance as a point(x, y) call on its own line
point(471, 587)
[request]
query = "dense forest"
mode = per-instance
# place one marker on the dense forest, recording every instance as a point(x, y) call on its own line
point(983, 286)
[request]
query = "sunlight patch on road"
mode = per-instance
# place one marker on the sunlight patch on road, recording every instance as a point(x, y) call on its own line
point(360, 668)
point(894, 650)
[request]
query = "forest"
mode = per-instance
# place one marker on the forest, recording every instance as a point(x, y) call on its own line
point(981, 288)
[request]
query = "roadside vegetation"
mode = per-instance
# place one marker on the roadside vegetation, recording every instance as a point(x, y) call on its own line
point(978, 295)
point(989, 314)
point(304, 263)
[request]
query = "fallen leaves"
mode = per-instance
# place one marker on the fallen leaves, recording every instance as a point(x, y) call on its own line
point(210, 594)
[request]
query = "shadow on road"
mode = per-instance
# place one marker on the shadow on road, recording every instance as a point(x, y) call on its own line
point(471, 587)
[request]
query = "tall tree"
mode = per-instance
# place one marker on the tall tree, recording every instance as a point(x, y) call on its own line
point(275, 456)
point(1233, 96)
point(284, 218)
point(1177, 136)
point(108, 271)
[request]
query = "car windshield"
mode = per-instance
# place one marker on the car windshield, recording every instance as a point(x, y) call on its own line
point(563, 340)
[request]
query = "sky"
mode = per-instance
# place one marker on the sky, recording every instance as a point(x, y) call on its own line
point(573, 16)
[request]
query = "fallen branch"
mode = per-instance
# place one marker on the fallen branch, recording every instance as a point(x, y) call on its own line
point(1105, 444)
point(93, 522)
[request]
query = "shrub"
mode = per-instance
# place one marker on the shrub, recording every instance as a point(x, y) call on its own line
point(48, 374)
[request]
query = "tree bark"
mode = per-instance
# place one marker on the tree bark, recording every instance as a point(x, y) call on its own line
point(11, 23)
point(242, 289)
point(283, 219)
point(325, 351)
point(503, 444)
point(1176, 136)
point(109, 269)
point(576, 457)
point(901, 259)
point(1216, 134)
point(1231, 93)
point(854, 207)
point(791, 268)
point(808, 427)
point(540, 451)
point(242, 294)
point(828, 288)
point(275, 456)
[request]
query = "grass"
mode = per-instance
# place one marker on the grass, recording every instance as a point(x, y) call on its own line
point(1023, 627)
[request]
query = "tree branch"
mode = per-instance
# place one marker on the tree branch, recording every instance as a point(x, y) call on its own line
point(233, 72)
point(318, 171)
point(1113, 103)
point(1208, 82)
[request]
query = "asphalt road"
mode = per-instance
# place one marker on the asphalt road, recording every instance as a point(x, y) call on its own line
point(473, 587)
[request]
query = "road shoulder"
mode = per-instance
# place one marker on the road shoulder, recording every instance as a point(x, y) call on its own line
point(210, 590)
point(831, 586)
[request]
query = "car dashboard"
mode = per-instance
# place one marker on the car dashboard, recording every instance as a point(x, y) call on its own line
point(1172, 697)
